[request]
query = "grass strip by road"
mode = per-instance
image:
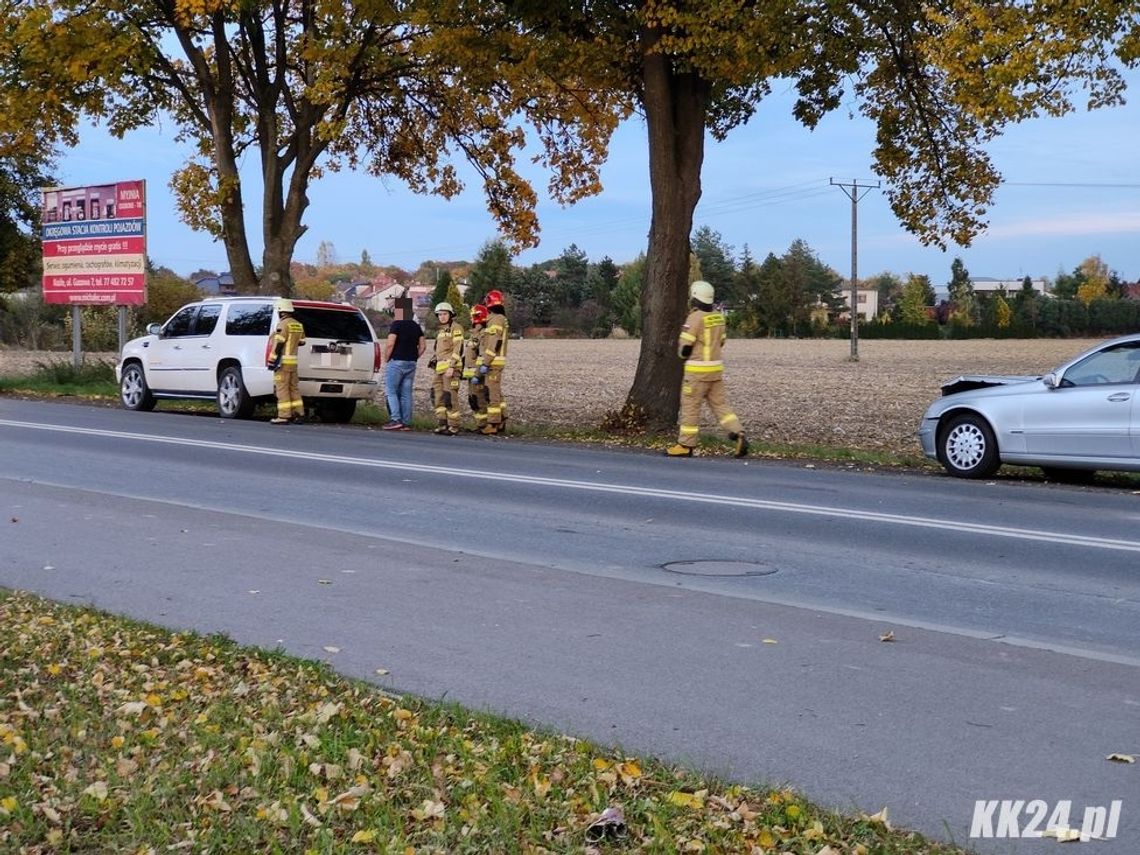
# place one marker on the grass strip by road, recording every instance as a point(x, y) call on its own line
point(118, 736)
point(96, 382)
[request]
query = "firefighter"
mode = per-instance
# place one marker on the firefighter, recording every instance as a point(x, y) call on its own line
point(448, 363)
point(476, 388)
point(492, 360)
point(282, 361)
point(700, 343)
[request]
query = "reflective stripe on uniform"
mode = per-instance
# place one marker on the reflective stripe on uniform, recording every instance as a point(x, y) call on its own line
point(727, 417)
point(701, 367)
point(690, 429)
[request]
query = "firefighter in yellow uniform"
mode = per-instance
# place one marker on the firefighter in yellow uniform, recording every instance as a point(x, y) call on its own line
point(492, 360)
point(476, 388)
point(282, 360)
point(448, 362)
point(700, 343)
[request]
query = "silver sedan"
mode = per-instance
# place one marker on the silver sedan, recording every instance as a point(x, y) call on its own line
point(1082, 417)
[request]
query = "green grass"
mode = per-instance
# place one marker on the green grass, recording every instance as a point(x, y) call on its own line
point(63, 379)
point(96, 381)
point(118, 736)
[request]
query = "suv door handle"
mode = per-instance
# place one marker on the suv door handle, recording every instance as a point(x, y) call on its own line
point(1120, 396)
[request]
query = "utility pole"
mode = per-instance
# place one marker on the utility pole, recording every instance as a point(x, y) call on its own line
point(854, 191)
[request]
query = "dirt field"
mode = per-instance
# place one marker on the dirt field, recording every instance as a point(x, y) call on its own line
point(784, 391)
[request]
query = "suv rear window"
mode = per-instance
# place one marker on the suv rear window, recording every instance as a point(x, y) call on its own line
point(249, 319)
point(335, 324)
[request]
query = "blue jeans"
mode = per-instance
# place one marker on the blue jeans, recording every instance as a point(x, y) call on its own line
point(398, 378)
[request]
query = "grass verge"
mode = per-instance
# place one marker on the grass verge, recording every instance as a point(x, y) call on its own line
point(121, 737)
point(63, 379)
point(96, 381)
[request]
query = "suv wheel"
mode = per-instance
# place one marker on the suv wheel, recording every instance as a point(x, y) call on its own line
point(339, 411)
point(133, 391)
point(234, 401)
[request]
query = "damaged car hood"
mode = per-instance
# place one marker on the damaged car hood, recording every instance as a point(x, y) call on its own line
point(970, 382)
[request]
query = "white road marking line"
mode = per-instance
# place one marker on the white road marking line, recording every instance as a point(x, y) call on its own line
point(622, 489)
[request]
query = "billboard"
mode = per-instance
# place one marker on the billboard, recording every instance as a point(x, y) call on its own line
point(94, 244)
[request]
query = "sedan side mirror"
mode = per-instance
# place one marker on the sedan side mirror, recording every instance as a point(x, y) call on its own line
point(154, 329)
point(1051, 380)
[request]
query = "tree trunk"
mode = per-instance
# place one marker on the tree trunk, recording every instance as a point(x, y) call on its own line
point(675, 107)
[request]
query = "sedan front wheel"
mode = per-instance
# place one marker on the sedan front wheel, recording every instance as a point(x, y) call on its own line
point(967, 447)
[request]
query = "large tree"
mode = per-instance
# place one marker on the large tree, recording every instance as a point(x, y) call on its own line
point(302, 86)
point(21, 177)
point(939, 80)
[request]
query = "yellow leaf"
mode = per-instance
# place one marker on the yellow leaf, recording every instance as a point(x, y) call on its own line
point(54, 670)
point(766, 839)
point(600, 764)
point(364, 836)
point(689, 800)
point(792, 811)
point(629, 771)
point(1121, 758)
point(117, 741)
point(8, 804)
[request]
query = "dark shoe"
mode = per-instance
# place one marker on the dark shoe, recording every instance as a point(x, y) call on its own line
point(741, 444)
point(678, 450)
point(393, 425)
point(298, 420)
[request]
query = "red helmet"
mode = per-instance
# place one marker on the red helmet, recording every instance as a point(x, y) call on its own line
point(493, 298)
point(479, 314)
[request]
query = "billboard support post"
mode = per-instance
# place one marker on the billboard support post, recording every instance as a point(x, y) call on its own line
point(76, 338)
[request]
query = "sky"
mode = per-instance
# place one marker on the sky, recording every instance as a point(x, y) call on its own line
point(1072, 190)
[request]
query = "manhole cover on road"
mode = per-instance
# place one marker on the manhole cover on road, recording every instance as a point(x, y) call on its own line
point(719, 568)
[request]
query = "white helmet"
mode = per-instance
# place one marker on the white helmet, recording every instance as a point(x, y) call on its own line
point(444, 307)
point(702, 291)
point(284, 306)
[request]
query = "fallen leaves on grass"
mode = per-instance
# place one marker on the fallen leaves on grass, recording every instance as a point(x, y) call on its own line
point(114, 735)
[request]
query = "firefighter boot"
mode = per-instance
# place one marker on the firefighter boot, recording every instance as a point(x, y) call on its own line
point(678, 450)
point(741, 444)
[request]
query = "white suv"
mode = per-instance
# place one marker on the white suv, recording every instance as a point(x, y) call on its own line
point(216, 349)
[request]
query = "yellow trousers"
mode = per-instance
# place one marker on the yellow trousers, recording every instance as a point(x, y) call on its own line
point(288, 392)
point(694, 391)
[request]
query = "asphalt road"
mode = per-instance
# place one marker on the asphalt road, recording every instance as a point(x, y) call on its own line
point(631, 599)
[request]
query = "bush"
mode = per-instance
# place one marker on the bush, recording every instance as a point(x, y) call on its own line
point(897, 330)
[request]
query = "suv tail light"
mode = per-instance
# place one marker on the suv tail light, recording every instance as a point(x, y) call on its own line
point(375, 357)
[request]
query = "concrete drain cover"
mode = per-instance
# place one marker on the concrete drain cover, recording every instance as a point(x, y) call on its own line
point(719, 568)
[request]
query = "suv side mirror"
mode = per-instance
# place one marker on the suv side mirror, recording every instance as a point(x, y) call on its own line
point(1051, 380)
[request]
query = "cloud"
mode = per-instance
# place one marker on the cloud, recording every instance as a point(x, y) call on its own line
point(1100, 223)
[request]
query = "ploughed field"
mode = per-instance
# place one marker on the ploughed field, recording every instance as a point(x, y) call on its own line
point(785, 391)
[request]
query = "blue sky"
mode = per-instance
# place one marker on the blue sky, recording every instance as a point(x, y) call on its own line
point(765, 186)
